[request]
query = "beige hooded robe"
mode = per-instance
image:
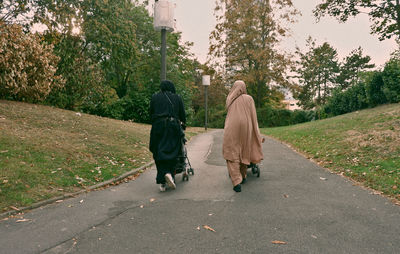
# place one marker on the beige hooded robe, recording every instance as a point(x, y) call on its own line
point(242, 139)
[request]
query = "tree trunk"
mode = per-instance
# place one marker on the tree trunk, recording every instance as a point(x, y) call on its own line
point(397, 7)
point(259, 94)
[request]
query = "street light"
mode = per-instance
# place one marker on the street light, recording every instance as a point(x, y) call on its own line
point(206, 84)
point(163, 21)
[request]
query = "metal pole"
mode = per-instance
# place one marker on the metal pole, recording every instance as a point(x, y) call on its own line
point(205, 112)
point(163, 54)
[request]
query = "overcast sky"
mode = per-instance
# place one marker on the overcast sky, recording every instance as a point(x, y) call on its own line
point(195, 19)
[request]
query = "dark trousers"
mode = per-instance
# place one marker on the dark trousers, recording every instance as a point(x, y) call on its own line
point(164, 167)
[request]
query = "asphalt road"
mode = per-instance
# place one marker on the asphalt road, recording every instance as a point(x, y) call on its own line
point(294, 201)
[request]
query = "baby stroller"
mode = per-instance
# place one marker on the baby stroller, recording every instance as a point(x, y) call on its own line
point(255, 169)
point(183, 164)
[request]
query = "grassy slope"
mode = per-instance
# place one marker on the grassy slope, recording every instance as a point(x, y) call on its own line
point(363, 145)
point(45, 151)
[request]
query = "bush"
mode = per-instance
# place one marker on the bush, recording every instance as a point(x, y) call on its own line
point(374, 90)
point(391, 81)
point(267, 117)
point(302, 116)
point(271, 117)
point(216, 117)
point(342, 102)
point(27, 68)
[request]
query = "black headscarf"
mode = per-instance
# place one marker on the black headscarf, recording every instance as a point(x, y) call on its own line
point(167, 85)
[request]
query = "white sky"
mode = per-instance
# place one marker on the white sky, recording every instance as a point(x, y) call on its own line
point(195, 19)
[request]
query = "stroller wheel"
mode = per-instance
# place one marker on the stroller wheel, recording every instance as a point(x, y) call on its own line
point(185, 177)
point(191, 171)
point(254, 168)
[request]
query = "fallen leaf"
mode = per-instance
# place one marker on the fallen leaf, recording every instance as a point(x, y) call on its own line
point(59, 201)
point(152, 199)
point(14, 208)
point(313, 236)
point(141, 206)
point(23, 220)
point(278, 242)
point(323, 178)
point(81, 201)
point(5, 181)
point(394, 187)
point(198, 228)
point(208, 228)
point(376, 192)
point(285, 195)
point(210, 214)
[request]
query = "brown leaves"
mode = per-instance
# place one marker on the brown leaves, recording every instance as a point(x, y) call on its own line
point(278, 242)
point(208, 228)
point(23, 220)
point(15, 208)
point(29, 65)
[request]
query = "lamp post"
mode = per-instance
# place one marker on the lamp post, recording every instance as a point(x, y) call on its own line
point(206, 84)
point(163, 21)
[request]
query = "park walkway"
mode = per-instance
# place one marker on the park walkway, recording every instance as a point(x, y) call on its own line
point(294, 207)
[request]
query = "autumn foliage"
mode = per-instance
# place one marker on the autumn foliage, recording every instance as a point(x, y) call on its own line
point(27, 67)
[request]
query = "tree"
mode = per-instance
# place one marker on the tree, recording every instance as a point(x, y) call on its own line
point(12, 9)
point(27, 68)
point(385, 14)
point(60, 16)
point(110, 34)
point(354, 64)
point(317, 71)
point(246, 37)
point(109, 54)
point(391, 80)
point(84, 78)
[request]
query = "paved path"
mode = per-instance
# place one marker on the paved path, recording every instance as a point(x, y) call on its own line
point(289, 202)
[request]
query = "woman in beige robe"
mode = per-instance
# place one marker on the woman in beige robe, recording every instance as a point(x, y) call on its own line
point(242, 139)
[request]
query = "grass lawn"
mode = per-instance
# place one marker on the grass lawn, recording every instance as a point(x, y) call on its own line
point(46, 152)
point(363, 145)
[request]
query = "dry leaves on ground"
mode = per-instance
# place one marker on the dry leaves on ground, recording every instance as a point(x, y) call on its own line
point(208, 228)
point(278, 242)
point(23, 220)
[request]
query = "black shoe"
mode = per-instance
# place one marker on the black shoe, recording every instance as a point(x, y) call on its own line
point(237, 188)
point(243, 181)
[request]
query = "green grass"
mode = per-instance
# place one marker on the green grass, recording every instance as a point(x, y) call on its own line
point(46, 152)
point(363, 145)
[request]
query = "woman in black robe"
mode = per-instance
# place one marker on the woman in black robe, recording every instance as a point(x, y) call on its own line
point(167, 115)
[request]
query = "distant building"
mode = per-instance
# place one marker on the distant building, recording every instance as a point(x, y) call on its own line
point(291, 104)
